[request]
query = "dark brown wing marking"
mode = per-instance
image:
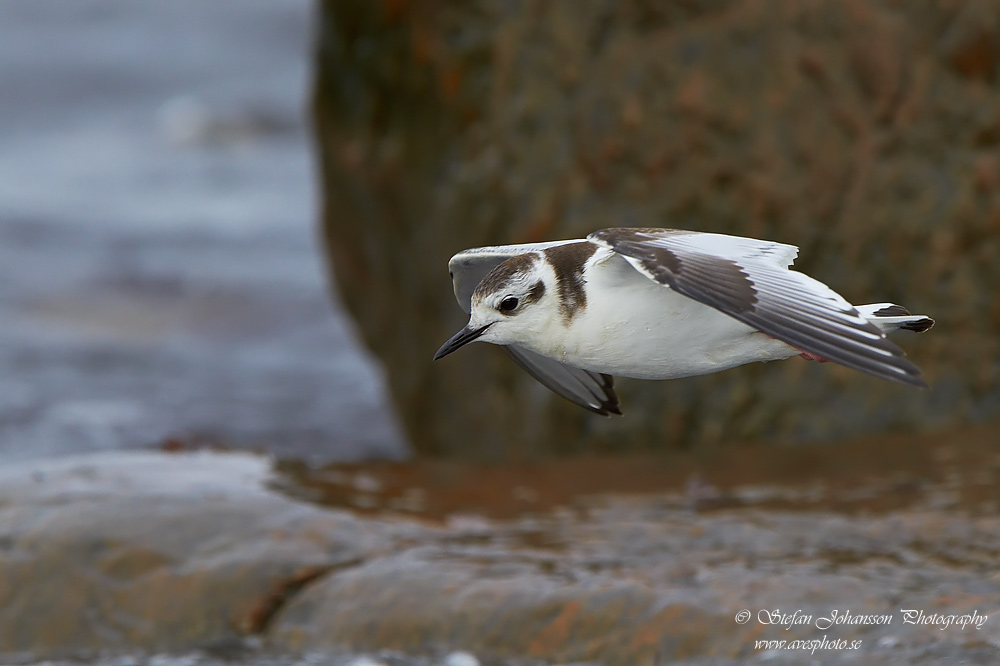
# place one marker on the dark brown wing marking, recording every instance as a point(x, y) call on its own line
point(734, 276)
point(718, 282)
point(568, 261)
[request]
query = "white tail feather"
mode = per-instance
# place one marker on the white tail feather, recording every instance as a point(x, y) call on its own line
point(894, 317)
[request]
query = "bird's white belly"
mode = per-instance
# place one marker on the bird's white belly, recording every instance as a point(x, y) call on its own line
point(641, 329)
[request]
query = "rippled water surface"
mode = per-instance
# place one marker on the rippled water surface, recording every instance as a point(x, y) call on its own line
point(159, 271)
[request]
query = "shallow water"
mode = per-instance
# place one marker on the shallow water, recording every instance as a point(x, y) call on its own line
point(159, 272)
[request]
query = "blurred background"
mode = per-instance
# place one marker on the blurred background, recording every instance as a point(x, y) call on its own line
point(226, 225)
point(866, 133)
point(161, 184)
point(159, 271)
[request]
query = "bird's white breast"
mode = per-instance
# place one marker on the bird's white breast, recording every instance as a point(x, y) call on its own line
point(634, 327)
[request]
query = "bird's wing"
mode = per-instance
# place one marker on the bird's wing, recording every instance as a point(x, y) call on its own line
point(469, 267)
point(749, 280)
point(590, 390)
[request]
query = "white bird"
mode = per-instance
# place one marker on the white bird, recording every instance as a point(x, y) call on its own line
point(663, 304)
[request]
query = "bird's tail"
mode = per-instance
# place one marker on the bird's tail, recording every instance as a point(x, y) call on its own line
point(889, 317)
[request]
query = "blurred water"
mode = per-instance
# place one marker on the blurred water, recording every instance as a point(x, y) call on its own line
point(159, 271)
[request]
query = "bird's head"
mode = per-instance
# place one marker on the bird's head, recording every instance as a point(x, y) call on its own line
point(511, 305)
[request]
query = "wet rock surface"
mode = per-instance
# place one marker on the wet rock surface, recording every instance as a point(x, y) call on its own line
point(218, 556)
point(156, 551)
point(864, 132)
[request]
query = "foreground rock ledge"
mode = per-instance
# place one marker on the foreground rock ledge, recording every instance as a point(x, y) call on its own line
point(173, 552)
point(156, 551)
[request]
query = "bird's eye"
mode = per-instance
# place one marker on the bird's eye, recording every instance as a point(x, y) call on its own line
point(508, 304)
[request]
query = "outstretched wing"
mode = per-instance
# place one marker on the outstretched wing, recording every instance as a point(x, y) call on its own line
point(590, 390)
point(749, 280)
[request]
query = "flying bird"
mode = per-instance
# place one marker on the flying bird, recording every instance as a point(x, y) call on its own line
point(663, 304)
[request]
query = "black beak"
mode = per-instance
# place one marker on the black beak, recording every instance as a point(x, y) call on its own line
point(460, 339)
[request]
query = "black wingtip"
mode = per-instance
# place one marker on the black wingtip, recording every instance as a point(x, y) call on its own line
point(606, 409)
point(610, 405)
point(919, 326)
point(892, 311)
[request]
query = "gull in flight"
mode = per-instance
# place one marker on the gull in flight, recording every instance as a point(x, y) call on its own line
point(663, 304)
